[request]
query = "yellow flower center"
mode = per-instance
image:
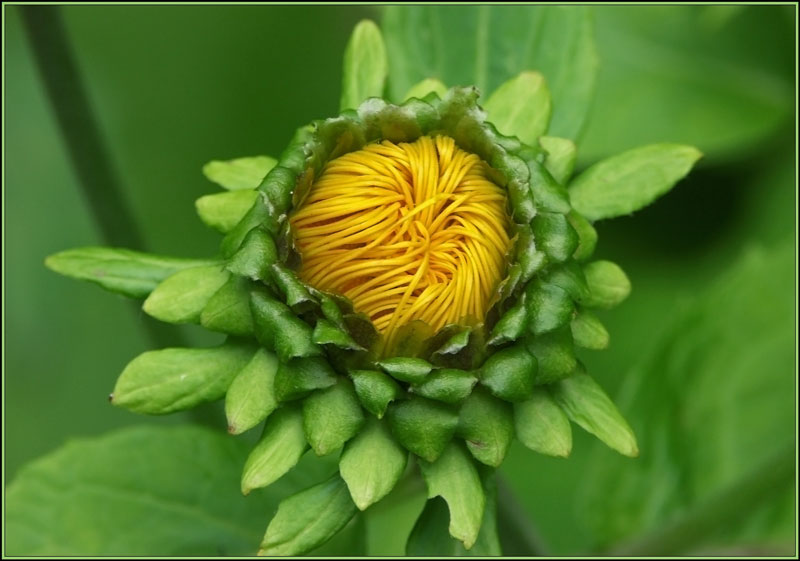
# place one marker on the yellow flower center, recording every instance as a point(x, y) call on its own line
point(409, 231)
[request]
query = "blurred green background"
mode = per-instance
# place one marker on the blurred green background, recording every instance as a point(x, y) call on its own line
point(703, 354)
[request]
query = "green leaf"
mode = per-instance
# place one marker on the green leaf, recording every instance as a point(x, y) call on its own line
point(548, 194)
point(555, 355)
point(228, 310)
point(375, 390)
point(588, 406)
point(549, 307)
point(521, 107)
point(454, 478)
point(555, 235)
point(509, 373)
point(449, 385)
point(463, 44)
point(608, 284)
point(511, 325)
point(487, 426)
point(126, 272)
point(411, 370)
point(239, 174)
point(144, 491)
point(365, 65)
point(425, 87)
point(223, 211)
point(300, 376)
point(251, 396)
point(160, 382)
point(561, 156)
point(280, 448)
point(278, 328)
point(181, 297)
point(423, 426)
point(255, 255)
point(326, 333)
point(309, 519)
point(331, 417)
point(542, 425)
point(630, 181)
point(588, 332)
point(587, 236)
point(372, 464)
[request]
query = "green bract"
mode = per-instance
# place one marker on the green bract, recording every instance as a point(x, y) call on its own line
point(306, 361)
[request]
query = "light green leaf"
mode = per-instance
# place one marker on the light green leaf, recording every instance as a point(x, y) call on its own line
point(130, 273)
point(143, 491)
point(588, 332)
point(251, 397)
point(308, 519)
point(627, 182)
point(423, 426)
point(454, 478)
point(542, 425)
point(487, 45)
point(160, 382)
point(561, 156)
point(331, 417)
point(588, 406)
point(425, 87)
point(280, 448)
point(365, 65)
point(228, 310)
point(608, 284)
point(181, 297)
point(487, 426)
point(375, 390)
point(372, 464)
point(241, 173)
point(223, 211)
point(521, 107)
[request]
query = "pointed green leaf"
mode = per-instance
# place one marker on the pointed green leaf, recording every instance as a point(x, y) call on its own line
point(126, 272)
point(521, 107)
point(561, 156)
point(632, 180)
point(241, 173)
point(372, 464)
point(427, 86)
point(181, 297)
point(511, 325)
point(251, 396)
point(375, 390)
point(548, 194)
point(331, 417)
point(365, 65)
point(487, 426)
point(587, 236)
point(300, 376)
point(509, 373)
point(608, 284)
point(549, 307)
point(160, 382)
point(228, 310)
point(223, 211)
point(530, 258)
point(277, 327)
point(449, 385)
point(255, 255)
point(542, 425)
point(308, 519)
point(411, 370)
point(588, 406)
point(555, 355)
point(588, 332)
point(326, 333)
point(423, 426)
point(454, 478)
point(294, 292)
point(569, 277)
point(555, 235)
point(281, 445)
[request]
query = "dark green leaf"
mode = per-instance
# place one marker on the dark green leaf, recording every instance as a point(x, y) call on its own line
point(423, 426)
point(555, 235)
point(160, 382)
point(255, 255)
point(375, 390)
point(549, 307)
point(251, 395)
point(300, 376)
point(331, 417)
point(542, 425)
point(280, 448)
point(308, 519)
point(241, 173)
point(449, 385)
point(411, 370)
point(365, 65)
point(326, 333)
point(277, 327)
point(130, 273)
point(371, 464)
point(228, 310)
point(487, 426)
point(630, 181)
point(454, 478)
point(509, 373)
point(181, 297)
point(555, 355)
point(487, 45)
point(548, 194)
point(511, 326)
